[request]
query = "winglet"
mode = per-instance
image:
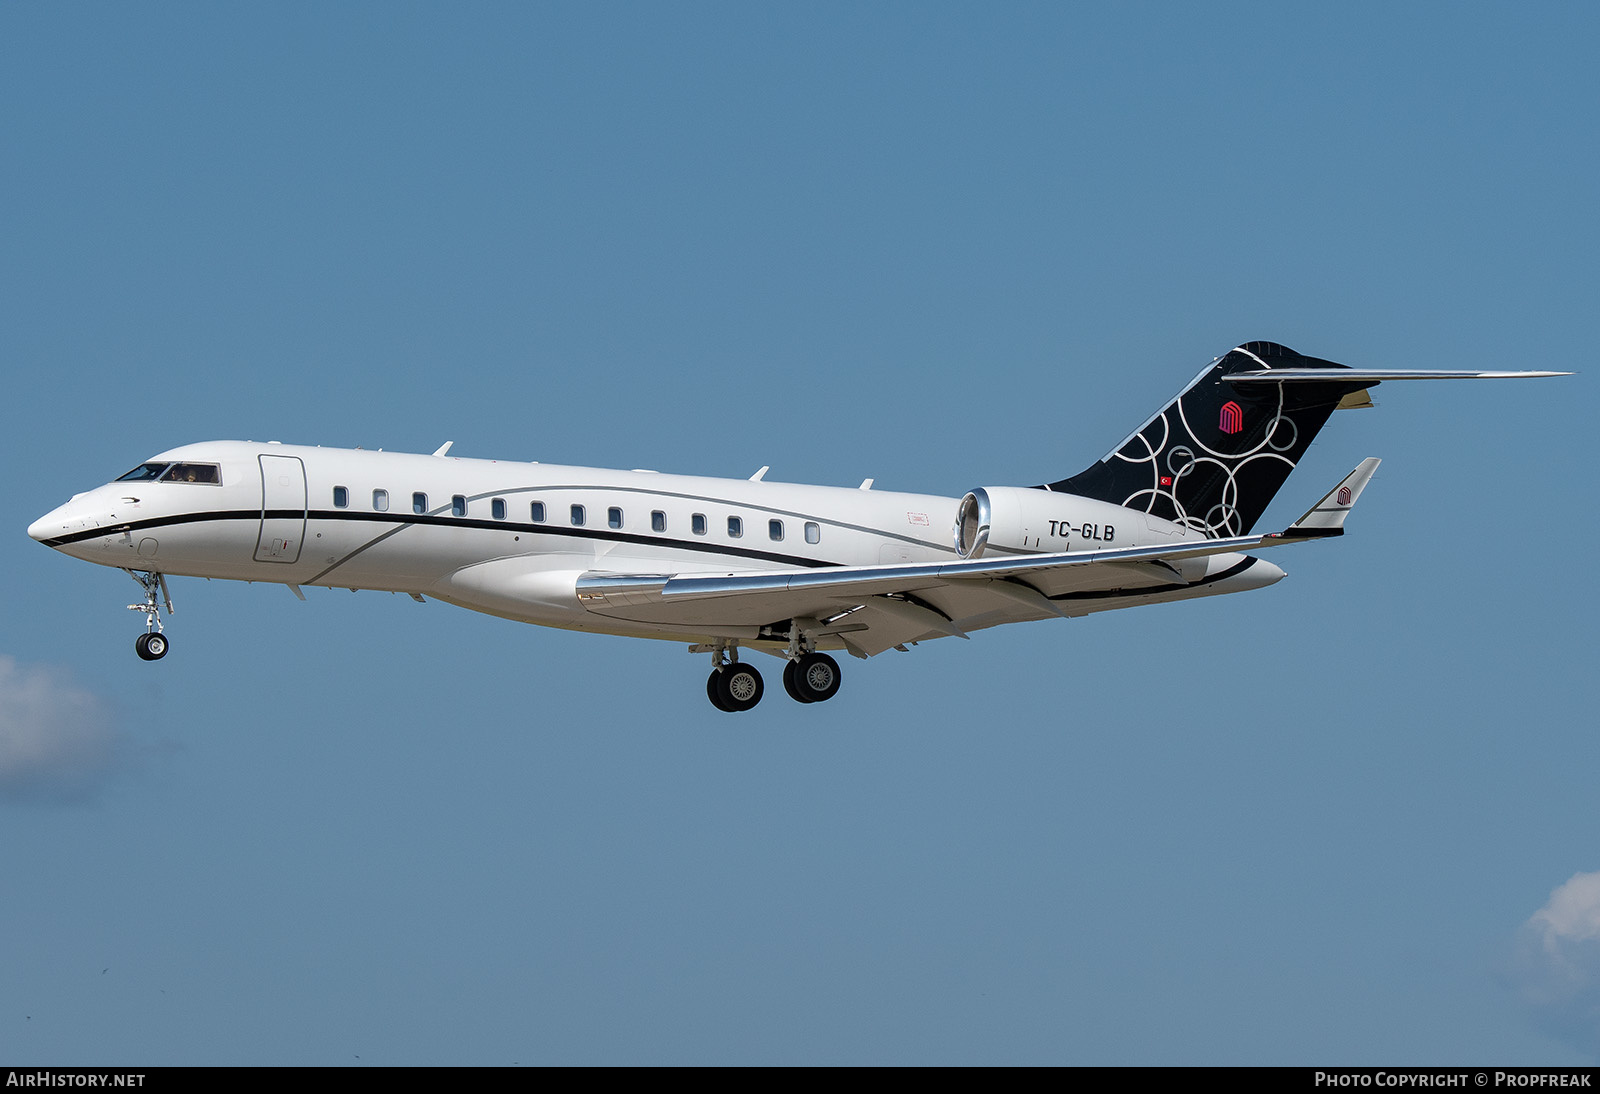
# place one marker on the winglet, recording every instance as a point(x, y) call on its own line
point(443, 448)
point(1326, 518)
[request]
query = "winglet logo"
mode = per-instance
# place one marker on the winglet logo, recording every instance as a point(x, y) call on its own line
point(1344, 495)
point(1232, 418)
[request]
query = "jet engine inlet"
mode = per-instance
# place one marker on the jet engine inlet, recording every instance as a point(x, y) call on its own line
point(972, 524)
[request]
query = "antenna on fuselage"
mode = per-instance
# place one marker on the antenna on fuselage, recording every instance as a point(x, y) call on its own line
point(443, 448)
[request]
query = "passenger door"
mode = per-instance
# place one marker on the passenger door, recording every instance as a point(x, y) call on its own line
point(283, 509)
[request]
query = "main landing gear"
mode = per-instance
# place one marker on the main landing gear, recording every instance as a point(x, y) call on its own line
point(733, 686)
point(152, 644)
point(811, 678)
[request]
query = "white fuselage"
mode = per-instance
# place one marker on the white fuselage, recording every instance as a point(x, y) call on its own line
point(274, 518)
point(509, 538)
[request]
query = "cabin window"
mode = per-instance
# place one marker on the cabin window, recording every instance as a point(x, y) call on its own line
point(419, 503)
point(775, 530)
point(341, 497)
point(614, 517)
point(380, 500)
point(193, 472)
point(144, 473)
point(697, 524)
point(658, 521)
point(458, 505)
point(577, 515)
point(536, 511)
point(497, 508)
point(735, 527)
point(813, 532)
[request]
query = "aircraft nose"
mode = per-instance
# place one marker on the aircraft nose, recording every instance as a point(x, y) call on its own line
point(58, 522)
point(45, 527)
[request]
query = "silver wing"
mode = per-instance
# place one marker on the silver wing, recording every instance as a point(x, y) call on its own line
point(869, 609)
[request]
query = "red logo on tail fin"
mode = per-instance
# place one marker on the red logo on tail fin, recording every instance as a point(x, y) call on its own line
point(1232, 418)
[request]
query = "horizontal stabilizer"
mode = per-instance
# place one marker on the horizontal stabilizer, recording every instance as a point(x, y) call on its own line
point(1372, 375)
point(1326, 518)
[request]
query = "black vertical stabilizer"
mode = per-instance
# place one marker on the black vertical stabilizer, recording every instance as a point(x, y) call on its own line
point(1213, 458)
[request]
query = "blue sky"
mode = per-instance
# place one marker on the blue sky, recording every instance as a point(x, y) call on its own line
point(943, 246)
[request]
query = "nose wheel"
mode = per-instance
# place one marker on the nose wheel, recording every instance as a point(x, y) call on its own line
point(152, 644)
point(151, 647)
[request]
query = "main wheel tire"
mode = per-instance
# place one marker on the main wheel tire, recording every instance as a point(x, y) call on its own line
point(739, 686)
point(792, 687)
point(151, 647)
point(816, 675)
point(714, 693)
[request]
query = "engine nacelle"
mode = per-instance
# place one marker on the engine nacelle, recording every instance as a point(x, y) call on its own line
point(1025, 519)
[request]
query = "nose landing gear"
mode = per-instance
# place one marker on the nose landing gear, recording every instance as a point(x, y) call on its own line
point(152, 644)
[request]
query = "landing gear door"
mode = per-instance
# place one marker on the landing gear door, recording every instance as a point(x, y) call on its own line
point(283, 509)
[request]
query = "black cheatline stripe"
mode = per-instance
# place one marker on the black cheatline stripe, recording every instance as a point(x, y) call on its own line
point(162, 522)
point(1106, 594)
point(407, 519)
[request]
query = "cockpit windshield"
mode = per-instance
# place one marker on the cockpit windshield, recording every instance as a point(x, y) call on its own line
point(207, 473)
point(193, 472)
point(144, 472)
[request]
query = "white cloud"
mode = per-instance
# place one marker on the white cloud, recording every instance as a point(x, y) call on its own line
point(57, 740)
point(1555, 966)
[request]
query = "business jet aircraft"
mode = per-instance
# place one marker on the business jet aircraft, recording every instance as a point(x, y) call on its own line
point(725, 564)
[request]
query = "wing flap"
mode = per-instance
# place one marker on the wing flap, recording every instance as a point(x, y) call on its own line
point(986, 591)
